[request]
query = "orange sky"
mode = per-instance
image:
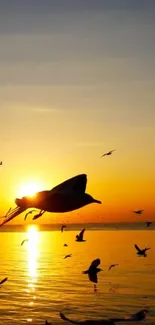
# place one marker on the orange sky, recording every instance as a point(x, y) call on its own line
point(74, 84)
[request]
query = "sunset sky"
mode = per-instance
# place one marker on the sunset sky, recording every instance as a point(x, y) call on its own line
point(77, 79)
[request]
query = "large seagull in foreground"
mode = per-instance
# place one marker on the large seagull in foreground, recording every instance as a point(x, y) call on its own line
point(67, 196)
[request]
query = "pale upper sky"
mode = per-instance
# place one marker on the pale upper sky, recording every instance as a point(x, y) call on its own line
point(77, 78)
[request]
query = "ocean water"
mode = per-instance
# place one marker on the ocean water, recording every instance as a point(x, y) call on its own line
point(41, 283)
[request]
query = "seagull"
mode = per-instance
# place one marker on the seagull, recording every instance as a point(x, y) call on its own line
point(28, 214)
point(65, 245)
point(138, 211)
point(67, 196)
point(23, 241)
point(112, 265)
point(4, 280)
point(93, 270)
point(62, 228)
point(148, 223)
point(108, 153)
point(69, 255)
point(80, 236)
point(141, 252)
point(111, 321)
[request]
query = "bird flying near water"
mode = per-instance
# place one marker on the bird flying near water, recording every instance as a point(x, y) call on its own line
point(138, 211)
point(69, 255)
point(80, 236)
point(25, 240)
point(112, 265)
point(67, 196)
point(141, 252)
point(93, 270)
point(108, 153)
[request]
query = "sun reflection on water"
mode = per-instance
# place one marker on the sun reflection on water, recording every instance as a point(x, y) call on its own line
point(33, 254)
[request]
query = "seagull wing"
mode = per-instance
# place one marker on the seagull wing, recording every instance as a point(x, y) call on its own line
point(93, 277)
point(4, 280)
point(81, 234)
point(75, 184)
point(138, 249)
point(95, 264)
point(12, 215)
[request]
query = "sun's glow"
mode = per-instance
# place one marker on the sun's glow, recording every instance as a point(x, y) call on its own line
point(29, 189)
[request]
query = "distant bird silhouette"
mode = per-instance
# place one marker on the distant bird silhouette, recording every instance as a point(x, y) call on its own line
point(65, 245)
point(62, 228)
point(138, 211)
point(112, 265)
point(25, 240)
point(148, 223)
point(141, 252)
point(1, 163)
point(93, 270)
point(69, 255)
point(111, 321)
point(108, 153)
point(4, 280)
point(80, 236)
point(67, 196)
point(38, 215)
point(29, 213)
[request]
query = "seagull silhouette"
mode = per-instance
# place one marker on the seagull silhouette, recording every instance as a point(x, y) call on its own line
point(4, 280)
point(25, 240)
point(138, 211)
point(29, 213)
point(67, 196)
point(69, 255)
point(93, 270)
point(112, 265)
point(1, 163)
point(148, 223)
point(111, 321)
point(62, 228)
point(80, 236)
point(108, 153)
point(65, 245)
point(141, 252)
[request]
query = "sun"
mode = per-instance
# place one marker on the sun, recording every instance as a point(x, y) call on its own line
point(29, 189)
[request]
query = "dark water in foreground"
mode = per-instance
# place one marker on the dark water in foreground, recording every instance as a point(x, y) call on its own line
point(41, 283)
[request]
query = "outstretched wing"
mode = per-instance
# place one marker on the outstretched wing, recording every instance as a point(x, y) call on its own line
point(4, 280)
point(81, 234)
point(13, 214)
point(95, 263)
point(74, 184)
point(93, 277)
point(138, 249)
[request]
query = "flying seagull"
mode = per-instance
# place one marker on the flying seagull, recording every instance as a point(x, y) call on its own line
point(62, 228)
point(4, 280)
point(28, 214)
point(65, 245)
point(112, 265)
point(67, 196)
point(138, 211)
point(69, 255)
point(23, 241)
point(108, 153)
point(111, 321)
point(80, 236)
point(93, 270)
point(148, 223)
point(141, 252)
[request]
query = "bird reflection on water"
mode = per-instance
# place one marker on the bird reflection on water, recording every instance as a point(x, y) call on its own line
point(33, 254)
